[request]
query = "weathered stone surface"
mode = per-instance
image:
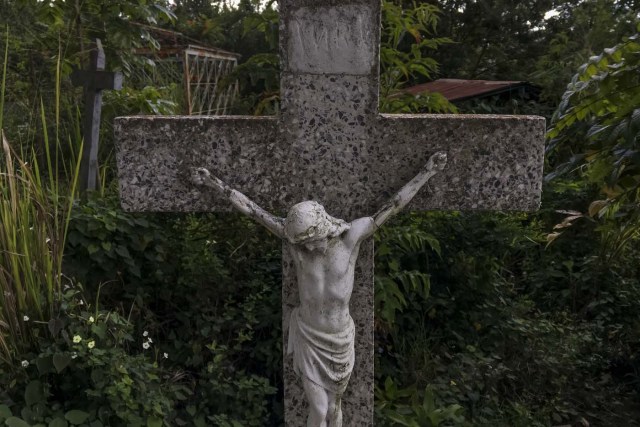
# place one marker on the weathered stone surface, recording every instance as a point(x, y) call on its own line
point(331, 40)
point(495, 162)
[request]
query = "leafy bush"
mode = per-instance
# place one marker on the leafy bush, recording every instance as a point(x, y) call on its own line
point(89, 368)
point(596, 133)
point(515, 334)
point(168, 273)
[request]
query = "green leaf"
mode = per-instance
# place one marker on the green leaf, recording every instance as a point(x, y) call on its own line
point(55, 326)
point(99, 329)
point(45, 365)
point(123, 251)
point(76, 417)
point(61, 361)
point(34, 393)
point(16, 422)
point(5, 412)
point(58, 422)
point(154, 422)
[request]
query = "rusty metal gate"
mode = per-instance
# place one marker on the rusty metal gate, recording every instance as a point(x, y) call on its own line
point(204, 70)
point(199, 72)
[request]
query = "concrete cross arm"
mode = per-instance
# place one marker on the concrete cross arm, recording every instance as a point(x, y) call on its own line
point(495, 162)
point(156, 155)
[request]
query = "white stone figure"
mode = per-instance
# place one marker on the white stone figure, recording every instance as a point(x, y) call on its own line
point(324, 250)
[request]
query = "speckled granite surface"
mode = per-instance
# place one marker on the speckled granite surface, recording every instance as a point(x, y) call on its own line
point(330, 145)
point(494, 163)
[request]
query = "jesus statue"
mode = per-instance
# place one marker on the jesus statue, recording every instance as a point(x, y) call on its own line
point(324, 250)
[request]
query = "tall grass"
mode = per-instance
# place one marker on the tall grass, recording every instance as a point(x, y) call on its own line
point(35, 208)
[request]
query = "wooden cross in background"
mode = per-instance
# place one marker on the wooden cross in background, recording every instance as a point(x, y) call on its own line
point(94, 80)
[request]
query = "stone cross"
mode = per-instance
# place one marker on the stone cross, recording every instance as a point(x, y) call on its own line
point(330, 144)
point(94, 80)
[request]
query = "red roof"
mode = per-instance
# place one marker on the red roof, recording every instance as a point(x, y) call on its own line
point(458, 90)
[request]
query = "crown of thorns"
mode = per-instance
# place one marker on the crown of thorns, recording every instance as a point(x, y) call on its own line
point(308, 221)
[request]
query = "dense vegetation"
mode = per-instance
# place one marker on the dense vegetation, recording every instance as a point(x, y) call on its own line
point(482, 319)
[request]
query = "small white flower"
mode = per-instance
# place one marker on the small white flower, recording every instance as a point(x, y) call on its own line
point(145, 334)
point(91, 319)
point(81, 302)
point(145, 345)
point(74, 355)
point(165, 355)
point(149, 340)
point(25, 318)
point(91, 344)
point(48, 240)
point(77, 339)
point(24, 363)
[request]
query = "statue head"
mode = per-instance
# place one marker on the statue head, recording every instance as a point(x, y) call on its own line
point(308, 223)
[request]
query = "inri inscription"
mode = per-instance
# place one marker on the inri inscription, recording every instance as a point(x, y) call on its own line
point(331, 40)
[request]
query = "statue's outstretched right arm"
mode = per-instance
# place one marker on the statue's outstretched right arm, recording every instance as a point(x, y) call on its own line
point(202, 177)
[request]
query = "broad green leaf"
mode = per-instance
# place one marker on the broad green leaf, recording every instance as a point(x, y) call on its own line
point(154, 422)
point(16, 422)
point(34, 393)
point(45, 365)
point(5, 412)
point(76, 417)
point(61, 361)
point(58, 422)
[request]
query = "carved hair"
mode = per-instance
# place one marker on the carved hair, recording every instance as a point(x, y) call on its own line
point(308, 221)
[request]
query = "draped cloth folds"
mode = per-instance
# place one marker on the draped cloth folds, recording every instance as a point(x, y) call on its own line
point(327, 359)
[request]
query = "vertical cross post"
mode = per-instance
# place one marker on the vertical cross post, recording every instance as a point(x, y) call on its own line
point(331, 145)
point(94, 80)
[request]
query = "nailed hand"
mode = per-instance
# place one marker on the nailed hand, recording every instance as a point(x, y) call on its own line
point(199, 175)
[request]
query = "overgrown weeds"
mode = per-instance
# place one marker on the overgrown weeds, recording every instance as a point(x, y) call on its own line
point(35, 207)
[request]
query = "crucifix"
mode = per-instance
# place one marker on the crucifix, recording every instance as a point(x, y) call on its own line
point(330, 145)
point(94, 80)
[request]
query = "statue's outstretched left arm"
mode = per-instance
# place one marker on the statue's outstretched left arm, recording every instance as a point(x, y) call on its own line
point(201, 176)
point(364, 227)
point(435, 164)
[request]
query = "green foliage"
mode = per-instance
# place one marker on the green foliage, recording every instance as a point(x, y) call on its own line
point(88, 368)
point(598, 122)
point(168, 272)
point(106, 244)
point(516, 335)
point(579, 30)
point(402, 255)
point(494, 39)
point(406, 38)
point(35, 208)
point(404, 407)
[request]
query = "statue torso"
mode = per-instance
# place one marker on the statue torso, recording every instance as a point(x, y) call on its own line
point(325, 283)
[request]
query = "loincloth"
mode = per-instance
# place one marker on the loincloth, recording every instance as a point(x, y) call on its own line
point(324, 358)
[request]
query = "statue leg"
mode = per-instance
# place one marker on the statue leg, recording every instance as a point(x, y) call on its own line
point(335, 410)
point(318, 403)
